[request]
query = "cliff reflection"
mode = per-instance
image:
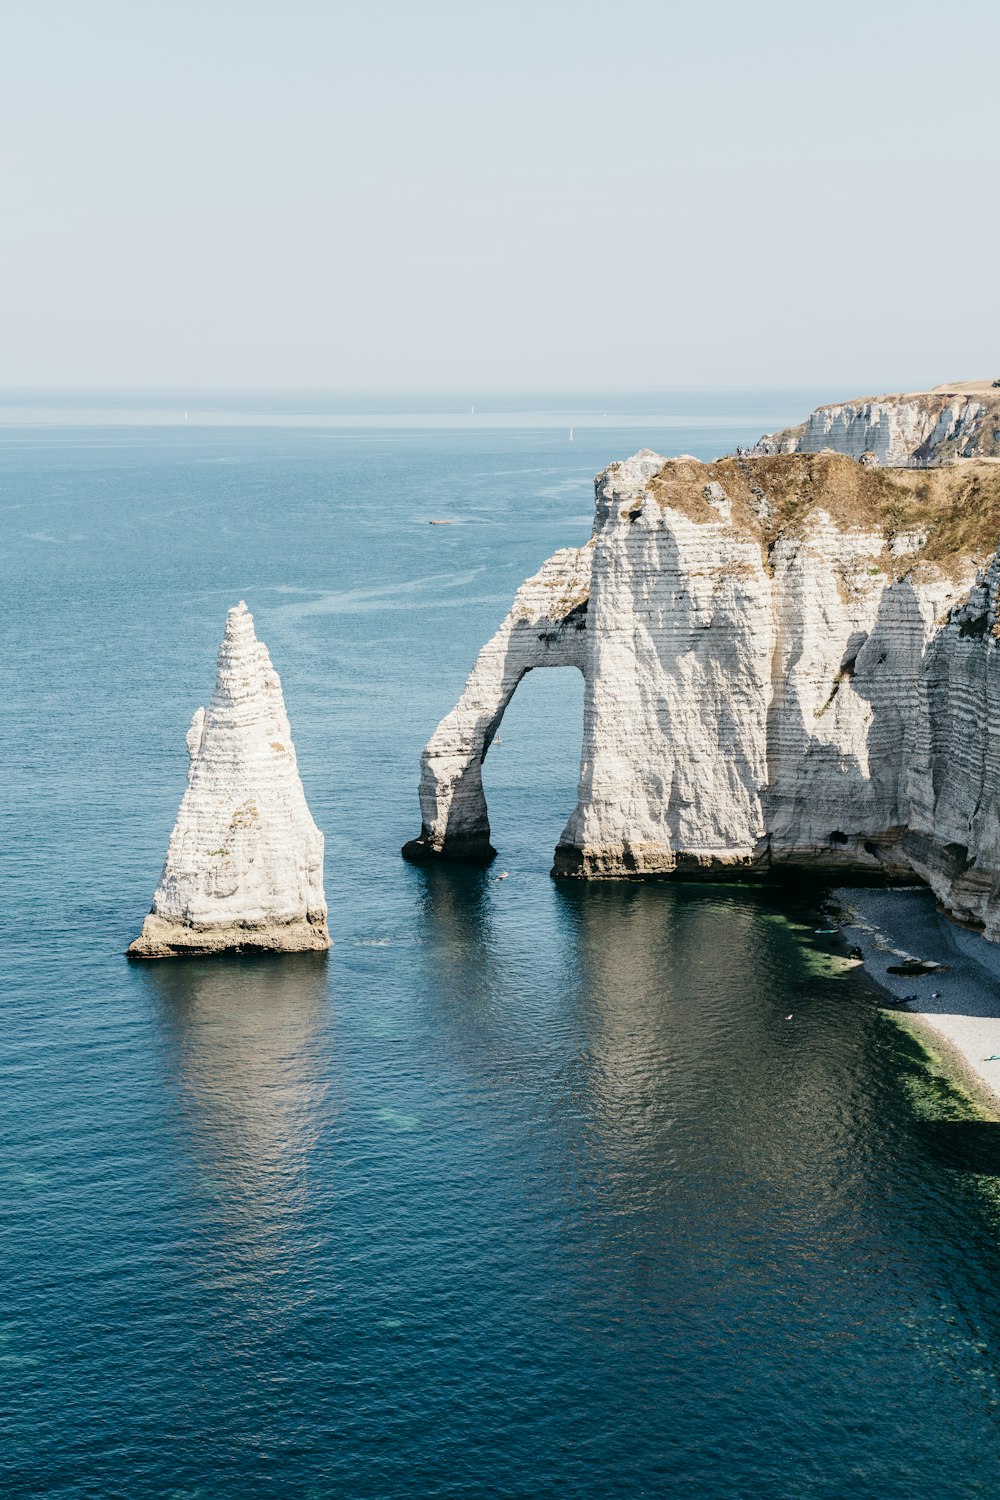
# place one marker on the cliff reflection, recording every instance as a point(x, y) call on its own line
point(689, 1055)
point(654, 964)
point(247, 1056)
point(715, 1034)
point(464, 966)
point(646, 1020)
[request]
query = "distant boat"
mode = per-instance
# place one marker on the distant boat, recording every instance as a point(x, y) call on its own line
point(571, 434)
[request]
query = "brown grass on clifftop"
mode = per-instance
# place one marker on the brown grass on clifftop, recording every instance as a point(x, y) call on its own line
point(958, 506)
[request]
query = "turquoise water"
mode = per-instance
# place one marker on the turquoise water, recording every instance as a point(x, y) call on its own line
point(524, 1191)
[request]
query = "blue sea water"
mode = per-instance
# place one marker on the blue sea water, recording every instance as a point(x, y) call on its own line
point(525, 1190)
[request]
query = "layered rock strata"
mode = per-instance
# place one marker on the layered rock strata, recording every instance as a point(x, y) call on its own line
point(914, 430)
point(791, 663)
point(244, 869)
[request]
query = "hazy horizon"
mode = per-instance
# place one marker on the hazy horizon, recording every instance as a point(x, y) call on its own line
point(586, 196)
point(485, 391)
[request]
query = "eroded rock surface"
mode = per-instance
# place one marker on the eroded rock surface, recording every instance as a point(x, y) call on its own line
point(791, 663)
point(911, 430)
point(545, 628)
point(244, 869)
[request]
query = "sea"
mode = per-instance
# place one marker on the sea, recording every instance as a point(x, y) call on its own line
point(527, 1189)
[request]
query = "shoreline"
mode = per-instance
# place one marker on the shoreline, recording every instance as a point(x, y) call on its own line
point(957, 1006)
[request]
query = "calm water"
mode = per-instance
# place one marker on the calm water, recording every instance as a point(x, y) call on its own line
point(526, 1191)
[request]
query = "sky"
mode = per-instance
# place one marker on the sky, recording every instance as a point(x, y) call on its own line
point(603, 194)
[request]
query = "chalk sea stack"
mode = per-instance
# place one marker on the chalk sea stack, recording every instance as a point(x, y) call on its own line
point(791, 664)
point(244, 869)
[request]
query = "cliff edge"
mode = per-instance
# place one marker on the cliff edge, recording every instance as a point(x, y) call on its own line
point(791, 662)
point(916, 429)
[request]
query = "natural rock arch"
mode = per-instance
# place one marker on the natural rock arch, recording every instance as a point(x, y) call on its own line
point(546, 627)
point(791, 662)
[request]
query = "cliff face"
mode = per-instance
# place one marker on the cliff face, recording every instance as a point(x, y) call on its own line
point(904, 431)
point(244, 868)
point(791, 663)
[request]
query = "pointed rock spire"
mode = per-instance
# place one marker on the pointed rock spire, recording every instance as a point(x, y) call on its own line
point(245, 864)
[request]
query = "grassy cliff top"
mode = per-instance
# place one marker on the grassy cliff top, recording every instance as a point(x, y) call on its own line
point(933, 397)
point(957, 506)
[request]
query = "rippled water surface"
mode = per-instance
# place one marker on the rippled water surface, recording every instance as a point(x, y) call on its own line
point(525, 1190)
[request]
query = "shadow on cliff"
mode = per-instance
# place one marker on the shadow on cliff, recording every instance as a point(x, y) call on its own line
point(823, 799)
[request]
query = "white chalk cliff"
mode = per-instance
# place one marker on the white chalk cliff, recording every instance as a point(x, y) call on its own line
point(244, 869)
point(912, 430)
point(791, 663)
point(543, 629)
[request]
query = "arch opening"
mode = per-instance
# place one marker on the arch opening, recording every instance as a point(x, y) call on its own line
point(531, 771)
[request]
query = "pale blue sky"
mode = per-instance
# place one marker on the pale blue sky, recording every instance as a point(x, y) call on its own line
point(594, 194)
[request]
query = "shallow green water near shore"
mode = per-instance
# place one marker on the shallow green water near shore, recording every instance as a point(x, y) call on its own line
point(527, 1189)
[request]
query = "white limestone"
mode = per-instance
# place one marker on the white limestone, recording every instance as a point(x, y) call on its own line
point(244, 868)
point(543, 629)
point(776, 679)
point(905, 431)
point(680, 641)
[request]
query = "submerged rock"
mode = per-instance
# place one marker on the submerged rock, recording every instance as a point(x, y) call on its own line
point(791, 663)
point(244, 869)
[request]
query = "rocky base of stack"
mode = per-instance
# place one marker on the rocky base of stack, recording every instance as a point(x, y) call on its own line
point(460, 851)
point(164, 939)
point(625, 861)
point(658, 861)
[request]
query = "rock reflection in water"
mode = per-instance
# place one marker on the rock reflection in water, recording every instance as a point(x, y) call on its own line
point(247, 1054)
point(691, 1060)
point(463, 958)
